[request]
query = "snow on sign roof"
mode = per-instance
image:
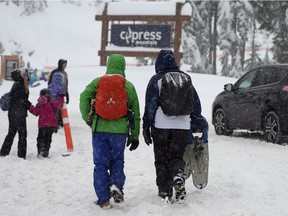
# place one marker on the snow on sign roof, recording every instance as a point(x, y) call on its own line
point(145, 8)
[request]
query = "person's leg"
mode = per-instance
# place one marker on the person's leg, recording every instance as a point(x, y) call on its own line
point(59, 118)
point(47, 140)
point(22, 132)
point(101, 158)
point(179, 141)
point(162, 161)
point(12, 130)
point(117, 144)
point(40, 141)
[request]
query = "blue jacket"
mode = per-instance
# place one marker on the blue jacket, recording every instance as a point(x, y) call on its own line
point(165, 62)
point(56, 87)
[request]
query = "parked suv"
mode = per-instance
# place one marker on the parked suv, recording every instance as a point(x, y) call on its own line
point(258, 101)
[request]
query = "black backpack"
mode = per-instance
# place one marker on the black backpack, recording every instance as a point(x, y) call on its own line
point(5, 101)
point(176, 94)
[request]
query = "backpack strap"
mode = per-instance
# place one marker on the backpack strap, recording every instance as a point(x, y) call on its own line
point(97, 119)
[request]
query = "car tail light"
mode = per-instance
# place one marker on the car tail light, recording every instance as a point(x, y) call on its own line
point(285, 88)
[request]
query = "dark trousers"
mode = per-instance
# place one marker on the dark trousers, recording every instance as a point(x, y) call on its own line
point(44, 140)
point(169, 147)
point(59, 118)
point(16, 124)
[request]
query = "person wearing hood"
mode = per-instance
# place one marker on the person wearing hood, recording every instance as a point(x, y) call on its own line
point(110, 136)
point(62, 64)
point(47, 122)
point(170, 133)
point(17, 113)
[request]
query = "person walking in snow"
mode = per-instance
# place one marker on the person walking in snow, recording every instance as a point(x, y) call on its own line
point(62, 64)
point(17, 113)
point(109, 135)
point(47, 122)
point(170, 133)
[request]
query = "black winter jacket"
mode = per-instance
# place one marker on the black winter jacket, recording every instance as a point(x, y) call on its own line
point(19, 98)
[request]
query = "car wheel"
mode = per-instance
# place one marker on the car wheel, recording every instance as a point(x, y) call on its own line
point(272, 129)
point(220, 123)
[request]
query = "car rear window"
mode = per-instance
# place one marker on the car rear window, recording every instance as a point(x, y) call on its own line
point(281, 72)
point(268, 76)
point(265, 76)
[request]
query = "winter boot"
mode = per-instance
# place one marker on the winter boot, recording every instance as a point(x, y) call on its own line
point(106, 205)
point(166, 197)
point(179, 186)
point(117, 194)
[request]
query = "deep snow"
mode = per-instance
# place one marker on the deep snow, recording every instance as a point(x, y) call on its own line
point(247, 175)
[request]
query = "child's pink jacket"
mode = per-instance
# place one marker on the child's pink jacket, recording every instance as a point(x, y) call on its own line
point(46, 111)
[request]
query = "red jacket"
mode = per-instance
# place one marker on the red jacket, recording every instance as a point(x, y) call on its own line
point(45, 109)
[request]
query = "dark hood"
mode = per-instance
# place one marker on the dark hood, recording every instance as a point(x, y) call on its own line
point(165, 61)
point(61, 62)
point(16, 75)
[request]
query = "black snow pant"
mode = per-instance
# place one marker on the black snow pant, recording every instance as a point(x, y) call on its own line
point(44, 140)
point(59, 118)
point(16, 124)
point(169, 147)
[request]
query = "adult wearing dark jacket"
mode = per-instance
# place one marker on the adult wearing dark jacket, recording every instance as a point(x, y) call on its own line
point(170, 134)
point(17, 113)
point(62, 63)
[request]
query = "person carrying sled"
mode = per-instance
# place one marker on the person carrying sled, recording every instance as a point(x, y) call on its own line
point(62, 64)
point(17, 113)
point(169, 104)
point(47, 122)
point(116, 103)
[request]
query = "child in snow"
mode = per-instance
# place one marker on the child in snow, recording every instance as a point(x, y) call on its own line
point(47, 123)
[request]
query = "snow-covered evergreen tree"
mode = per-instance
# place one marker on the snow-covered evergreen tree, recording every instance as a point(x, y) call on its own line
point(196, 38)
point(255, 59)
point(191, 54)
point(236, 68)
point(214, 35)
point(234, 19)
point(244, 16)
point(267, 60)
point(273, 16)
point(226, 36)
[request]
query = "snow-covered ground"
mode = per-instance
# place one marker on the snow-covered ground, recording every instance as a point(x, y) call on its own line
point(247, 176)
